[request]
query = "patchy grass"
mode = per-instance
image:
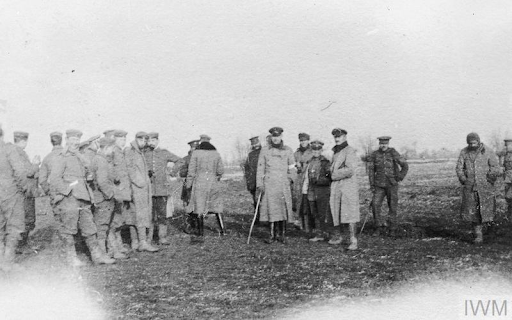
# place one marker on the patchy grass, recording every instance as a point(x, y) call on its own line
point(224, 278)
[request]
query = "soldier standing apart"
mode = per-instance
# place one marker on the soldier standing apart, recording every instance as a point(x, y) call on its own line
point(13, 179)
point(250, 170)
point(73, 197)
point(273, 180)
point(386, 169)
point(316, 184)
point(141, 190)
point(31, 190)
point(506, 162)
point(185, 192)
point(102, 169)
point(123, 192)
point(477, 169)
point(204, 173)
point(157, 160)
point(302, 157)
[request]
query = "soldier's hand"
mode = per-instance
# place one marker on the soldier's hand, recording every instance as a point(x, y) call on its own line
point(150, 173)
point(260, 190)
point(36, 160)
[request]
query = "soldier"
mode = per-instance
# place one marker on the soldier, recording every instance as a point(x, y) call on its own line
point(386, 169)
point(49, 160)
point(344, 199)
point(90, 147)
point(141, 189)
point(185, 192)
point(250, 169)
point(273, 180)
point(302, 157)
point(123, 210)
point(73, 197)
point(31, 190)
point(506, 162)
point(477, 169)
point(103, 187)
point(316, 183)
point(204, 173)
point(109, 134)
point(13, 179)
point(157, 160)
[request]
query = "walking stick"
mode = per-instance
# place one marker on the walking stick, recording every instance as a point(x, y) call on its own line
point(366, 218)
point(254, 219)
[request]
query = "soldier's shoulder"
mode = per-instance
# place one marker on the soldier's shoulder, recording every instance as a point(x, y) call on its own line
point(285, 147)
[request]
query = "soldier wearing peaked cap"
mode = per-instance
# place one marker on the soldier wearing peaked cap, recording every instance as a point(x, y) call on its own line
point(251, 168)
point(477, 169)
point(31, 189)
point(386, 169)
point(109, 133)
point(158, 160)
point(275, 164)
point(505, 158)
point(302, 156)
point(204, 137)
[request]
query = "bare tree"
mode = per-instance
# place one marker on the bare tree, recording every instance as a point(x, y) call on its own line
point(367, 144)
point(496, 139)
point(241, 152)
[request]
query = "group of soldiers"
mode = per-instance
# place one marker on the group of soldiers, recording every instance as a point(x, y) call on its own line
point(99, 186)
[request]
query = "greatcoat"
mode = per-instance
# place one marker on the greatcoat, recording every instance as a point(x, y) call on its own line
point(140, 184)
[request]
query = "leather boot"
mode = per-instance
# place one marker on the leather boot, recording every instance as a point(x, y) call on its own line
point(162, 234)
point(151, 234)
point(282, 231)
point(97, 256)
point(119, 242)
point(479, 234)
point(69, 247)
point(353, 238)
point(201, 225)
point(221, 224)
point(272, 237)
point(134, 236)
point(114, 248)
point(143, 244)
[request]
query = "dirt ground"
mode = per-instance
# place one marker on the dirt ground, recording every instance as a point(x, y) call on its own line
point(224, 278)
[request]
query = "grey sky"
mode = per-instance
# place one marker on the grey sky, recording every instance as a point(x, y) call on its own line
point(425, 71)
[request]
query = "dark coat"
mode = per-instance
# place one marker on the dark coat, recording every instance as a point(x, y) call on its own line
point(302, 159)
point(251, 169)
point(103, 171)
point(122, 190)
point(157, 161)
point(46, 168)
point(13, 174)
point(386, 168)
point(31, 189)
point(140, 184)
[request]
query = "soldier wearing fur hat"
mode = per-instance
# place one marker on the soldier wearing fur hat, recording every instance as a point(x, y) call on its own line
point(344, 199)
point(158, 160)
point(386, 169)
point(477, 169)
point(303, 155)
point(506, 162)
point(251, 168)
point(73, 197)
point(275, 165)
point(31, 190)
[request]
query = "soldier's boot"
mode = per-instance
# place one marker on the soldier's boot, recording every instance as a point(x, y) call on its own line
point(23, 243)
point(272, 236)
point(282, 231)
point(119, 242)
point(134, 236)
point(143, 244)
point(221, 224)
point(479, 234)
point(102, 245)
point(353, 238)
point(97, 255)
point(69, 247)
point(201, 225)
point(151, 234)
point(115, 252)
point(162, 234)
point(336, 238)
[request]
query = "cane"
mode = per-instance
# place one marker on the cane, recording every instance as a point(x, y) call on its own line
point(254, 219)
point(366, 218)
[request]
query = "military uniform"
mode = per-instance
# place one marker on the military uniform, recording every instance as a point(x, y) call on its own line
point(46, 165)
point(386, 170)
point(302, 157)
point(506, 161)
point(181, 170)
point(251, 168)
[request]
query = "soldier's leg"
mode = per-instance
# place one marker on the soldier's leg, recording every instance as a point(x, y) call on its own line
point(160, 211)
point(89, 231)
point(477, 220)
point(272, 236)
point(66, 215)
point(15, 225)
point(392, 197)
point(102, 219)
point(377, 199)
point(116, 244)
point(313, 209)
point(30, 219)
point(508, 198)
point(305, 213)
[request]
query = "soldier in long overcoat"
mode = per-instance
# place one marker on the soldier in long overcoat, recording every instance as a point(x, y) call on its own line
point(273, 180)
point(141, 189)
point(302, 156)
point(477, 169)
point(344, 188)
point(505, 158)
point(204, 173)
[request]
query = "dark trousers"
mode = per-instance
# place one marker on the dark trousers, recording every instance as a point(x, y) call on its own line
point(391, 195)
point(321, 211)
point(30, 213)
point(305, 214)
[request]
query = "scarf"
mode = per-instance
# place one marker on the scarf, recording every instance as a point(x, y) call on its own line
point(338, 148)
point(277, 146)
point(302, 149)
point(205, 145)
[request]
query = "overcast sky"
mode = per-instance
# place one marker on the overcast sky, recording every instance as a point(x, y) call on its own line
point(424, 71)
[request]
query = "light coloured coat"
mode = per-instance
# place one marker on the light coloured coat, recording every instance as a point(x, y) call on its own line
point(140, 185)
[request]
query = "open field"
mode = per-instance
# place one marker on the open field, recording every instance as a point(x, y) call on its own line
point(224, 278)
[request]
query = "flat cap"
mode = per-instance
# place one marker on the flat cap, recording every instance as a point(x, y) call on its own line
point(303, 136)
point(255, 139)
point(193, 143)
point(120, 133)
point(73, 133)
point(21, 134)
point(337, 132)
point(317, 145)
point(106, 141)
point(384, 138)
point(109, 133)
point(276, 131)
point(141, 134)
point(153, 135)
point(56, 134)
point(205, 137)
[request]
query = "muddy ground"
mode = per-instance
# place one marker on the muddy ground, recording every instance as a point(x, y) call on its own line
point(224, 278)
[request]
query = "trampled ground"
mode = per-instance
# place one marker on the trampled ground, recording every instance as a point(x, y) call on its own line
point(224, 278)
